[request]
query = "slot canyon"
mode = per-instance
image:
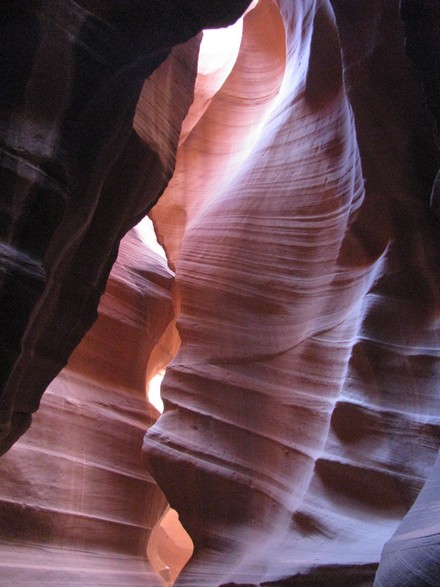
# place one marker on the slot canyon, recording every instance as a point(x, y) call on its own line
point(240, 197)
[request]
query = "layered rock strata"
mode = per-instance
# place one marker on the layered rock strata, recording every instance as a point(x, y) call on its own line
point(71, 78)
point(76, 504)
point(412, 555)
point(301, 410)
point(305, 386)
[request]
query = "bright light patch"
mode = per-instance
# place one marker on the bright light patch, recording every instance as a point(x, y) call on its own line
point(218, 47)
point(146, 232)
point(154, 391)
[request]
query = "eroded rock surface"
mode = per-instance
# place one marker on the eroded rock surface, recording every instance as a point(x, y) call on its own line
point(76, 503)
point(72, 74)
point(302, 408)
point(304, 296)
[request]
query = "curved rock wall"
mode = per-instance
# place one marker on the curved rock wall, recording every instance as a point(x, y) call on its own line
point(305, 385)
point(301, 410)
point(68, 148)
point(76, 503)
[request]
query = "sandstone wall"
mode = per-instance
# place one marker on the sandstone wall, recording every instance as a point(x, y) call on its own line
point(299, 309)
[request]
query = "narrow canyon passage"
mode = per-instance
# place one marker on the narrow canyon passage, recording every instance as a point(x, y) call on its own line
point(286, 164)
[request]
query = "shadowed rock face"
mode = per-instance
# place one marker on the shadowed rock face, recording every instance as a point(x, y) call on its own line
point(422, 43)
point(70, 85)
point(294, 174)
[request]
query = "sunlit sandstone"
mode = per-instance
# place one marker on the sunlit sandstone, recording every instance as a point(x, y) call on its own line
point(298, 313)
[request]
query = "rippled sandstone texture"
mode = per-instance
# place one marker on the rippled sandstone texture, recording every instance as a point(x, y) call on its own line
point(70, 85)
point(301, 411)
point(76, 503)
point(306, 383)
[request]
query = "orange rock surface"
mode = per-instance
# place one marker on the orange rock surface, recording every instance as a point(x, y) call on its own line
point(291, 162)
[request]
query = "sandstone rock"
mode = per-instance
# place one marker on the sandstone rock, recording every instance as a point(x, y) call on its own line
point(301, 405)
point(68, 150)
point(304, 296)
point(76, 504)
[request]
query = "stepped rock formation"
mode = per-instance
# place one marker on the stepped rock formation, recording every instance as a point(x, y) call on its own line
point(76, 503)
point(298, 312)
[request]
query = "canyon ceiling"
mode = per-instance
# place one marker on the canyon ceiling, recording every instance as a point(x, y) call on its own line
point(287, 160)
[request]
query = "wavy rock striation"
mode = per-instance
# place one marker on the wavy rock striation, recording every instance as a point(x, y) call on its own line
point(301, 407)
point(68, 151)
point(76, 504)
point(305, 385)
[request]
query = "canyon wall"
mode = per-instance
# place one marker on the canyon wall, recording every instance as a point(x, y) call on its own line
point(76, 503)
point(71, 83)
point(306, 382)
point(298, 310)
